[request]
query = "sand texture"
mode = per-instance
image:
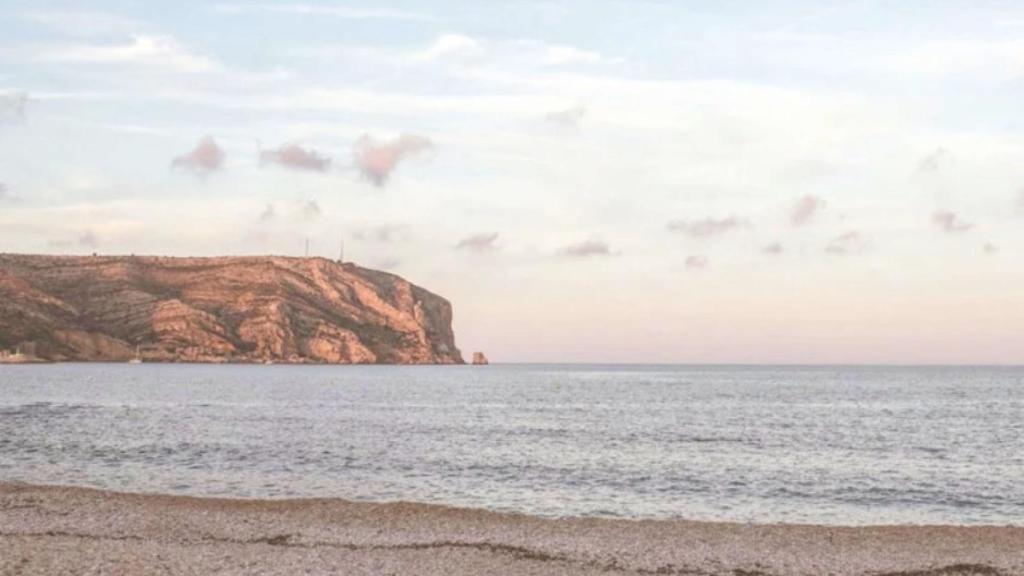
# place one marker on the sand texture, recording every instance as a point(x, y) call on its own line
point(57, 530)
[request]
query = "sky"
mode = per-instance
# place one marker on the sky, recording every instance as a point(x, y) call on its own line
point(586, 181)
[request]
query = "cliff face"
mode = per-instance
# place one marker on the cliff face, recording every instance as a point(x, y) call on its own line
point(240, 309)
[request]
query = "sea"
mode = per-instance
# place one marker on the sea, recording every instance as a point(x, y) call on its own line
point(832, 445)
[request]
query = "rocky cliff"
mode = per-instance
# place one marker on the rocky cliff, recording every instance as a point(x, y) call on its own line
point(230, 309)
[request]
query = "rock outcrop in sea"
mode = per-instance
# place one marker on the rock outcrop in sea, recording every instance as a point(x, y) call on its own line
point(225, 309)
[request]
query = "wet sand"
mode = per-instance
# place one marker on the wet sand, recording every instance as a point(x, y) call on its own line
point(59, 530)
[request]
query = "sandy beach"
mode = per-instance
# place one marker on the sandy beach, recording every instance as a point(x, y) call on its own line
point(61, 530)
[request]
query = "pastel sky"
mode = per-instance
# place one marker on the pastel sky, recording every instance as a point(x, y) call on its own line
point(614, 181)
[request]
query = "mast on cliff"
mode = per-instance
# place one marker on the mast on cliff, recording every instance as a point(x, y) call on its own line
point(341, 252)
point(307, 246)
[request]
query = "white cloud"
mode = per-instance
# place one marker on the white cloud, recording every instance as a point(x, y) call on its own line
point(333, 10)
point(558, 55)
point(144, 50)
point(1000, 59)
point(568, 116)
point(83, 23)
point(451, 46)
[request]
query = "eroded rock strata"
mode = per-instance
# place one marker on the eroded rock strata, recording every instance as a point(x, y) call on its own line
point(227, 309)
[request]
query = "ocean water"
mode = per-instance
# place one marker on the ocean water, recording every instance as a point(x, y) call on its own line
point(832, 445)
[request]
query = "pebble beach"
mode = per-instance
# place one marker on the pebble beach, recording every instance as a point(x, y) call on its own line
point(62, 530)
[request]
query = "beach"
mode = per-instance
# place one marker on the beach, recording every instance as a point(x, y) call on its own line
point(65, 530)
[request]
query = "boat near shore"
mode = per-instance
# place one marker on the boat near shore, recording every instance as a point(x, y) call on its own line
point(19, 358)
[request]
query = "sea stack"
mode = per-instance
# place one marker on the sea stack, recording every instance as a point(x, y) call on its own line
point(479, 359)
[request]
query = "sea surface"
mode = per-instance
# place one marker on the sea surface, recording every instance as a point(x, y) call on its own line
point(832, 445)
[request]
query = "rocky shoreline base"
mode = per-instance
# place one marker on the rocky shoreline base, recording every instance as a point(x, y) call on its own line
point(60, 530)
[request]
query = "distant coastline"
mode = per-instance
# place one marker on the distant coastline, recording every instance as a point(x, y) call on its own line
point(252, 310)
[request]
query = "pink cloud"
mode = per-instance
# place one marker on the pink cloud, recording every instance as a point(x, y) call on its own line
point(76, 239)
point(384, 233)
point(852, 242)
point(478, 242)
point(268, 214)
point(309, 210)
point(950, 222)
point(297, 157)
point(205, 158)
point(376, 160)
point(88, 239)
point(705, 228)
point(935, 160)
point(773, 249)
point(587, 248)
point(805, 209)
point(697, 262)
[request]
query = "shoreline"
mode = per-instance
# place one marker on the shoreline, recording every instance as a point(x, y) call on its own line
point(58, 530)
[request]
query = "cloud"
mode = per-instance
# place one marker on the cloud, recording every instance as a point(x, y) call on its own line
point(554, 55)
point(559, 55)
point(376, 160)
point(147, 50)
point(451, 46)
point(934, 161)
point(6, 195)
point(336, 11)
point(990, 58)
point(705, 228)
point(297, 157)
point(383, 233)
point(950, 222)
point(268, 214)
point(389, 263)
point(310, 210)
point(88, 239)
point(852, 242)
point(697, 262)
point(1020, 200)
point(587, 249)
point(478, 242)
point(805, 210)
point(205, 158)
point(12, 106)
point(773, 249)
point(83, 24)
point(989, 248)
point(568, 117)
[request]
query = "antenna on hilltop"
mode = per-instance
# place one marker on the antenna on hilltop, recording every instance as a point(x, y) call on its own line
point(341, 252)
point(307, 246)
